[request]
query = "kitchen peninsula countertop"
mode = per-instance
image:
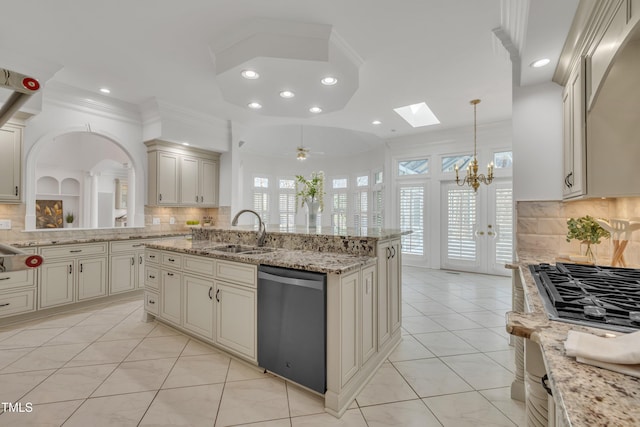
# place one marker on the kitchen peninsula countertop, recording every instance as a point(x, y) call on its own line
point(321, 262)
point(587, 396)
point(94, 239)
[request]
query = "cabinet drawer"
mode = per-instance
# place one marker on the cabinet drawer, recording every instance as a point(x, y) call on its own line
point(152, 256)
point(237, 272)
point(127, 246)
point(172, 259)
point(16, 302)
point(199, 265)
point(151, 302)
point(73, 250)
point(152, 277)
point(16, 279)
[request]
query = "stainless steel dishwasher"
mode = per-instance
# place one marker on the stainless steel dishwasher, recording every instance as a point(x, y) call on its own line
point(292, 325)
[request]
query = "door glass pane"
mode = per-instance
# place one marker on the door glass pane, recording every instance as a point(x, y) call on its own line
point(504, 225)
point(449, 163)
point(411, 218)
point(413, 167)
point(461, 222)
point(503, 160)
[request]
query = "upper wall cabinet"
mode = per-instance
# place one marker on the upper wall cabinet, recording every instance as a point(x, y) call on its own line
point(181, 176)
point(599, 70)
point(10, 163)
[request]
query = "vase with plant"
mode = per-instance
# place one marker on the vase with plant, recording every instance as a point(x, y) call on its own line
point(588, 232)
point(310, 194)
point(69, 217)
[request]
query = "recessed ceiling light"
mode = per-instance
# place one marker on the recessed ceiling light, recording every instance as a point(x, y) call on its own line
point(250, 74)
point(185, 143)
point(254, 105)
point(417, 115)
point(540, 62)
point(376, 122)
point(104, 90)
point(315, 110)
point(329, 81)
point(287, 94)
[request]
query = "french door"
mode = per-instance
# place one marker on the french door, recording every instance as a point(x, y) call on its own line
point(477, 227)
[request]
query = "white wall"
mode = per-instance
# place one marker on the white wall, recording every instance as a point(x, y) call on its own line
point(537, 142)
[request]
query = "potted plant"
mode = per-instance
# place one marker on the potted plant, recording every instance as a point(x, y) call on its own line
point(69, 217)
point(310, 192)
point(588, 232)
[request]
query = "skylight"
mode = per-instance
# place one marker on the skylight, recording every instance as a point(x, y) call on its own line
point(417, 115)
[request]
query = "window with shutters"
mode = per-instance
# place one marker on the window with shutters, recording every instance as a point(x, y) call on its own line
point(503, 159)
point(461, 222)
point(504, 225)
point(287, 203)
point(261, 197)
point(339, 203)
point(361, 202)
point(412, 218)
point(377, 208)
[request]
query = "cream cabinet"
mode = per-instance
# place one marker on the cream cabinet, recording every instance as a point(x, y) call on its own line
point(171, 297)
point(368, 313)
point(349, 326)
point(389, 289)
point(72, 273)
point(182, 176)
point(197, 305)
point(10, 163)
point(236, 328)
point(573, 133)
point(126, 264)
point(17, 291)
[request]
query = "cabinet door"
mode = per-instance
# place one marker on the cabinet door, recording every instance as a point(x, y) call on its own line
point(92, 278)
point(198, 305)
point(189, 194)
point(384, 331)
point(395, 287)
point(140, 271)
point(167, 179)
point(236, 318)
point(574, 134)
point(56, 283)
point(349, 322)
point(209, 182)
point(368, 313)
point(171, 297)
point(10, 161)
point(123, 273)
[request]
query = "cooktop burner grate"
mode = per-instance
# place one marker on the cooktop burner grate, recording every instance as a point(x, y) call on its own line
point(605, 297)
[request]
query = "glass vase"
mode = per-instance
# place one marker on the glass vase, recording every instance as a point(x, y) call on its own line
point(588, 252)
point(313, 207)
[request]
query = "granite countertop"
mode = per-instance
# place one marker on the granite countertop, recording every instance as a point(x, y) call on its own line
point(586, 395)
point(321, 262)
point(365, 232)
point(94, 239)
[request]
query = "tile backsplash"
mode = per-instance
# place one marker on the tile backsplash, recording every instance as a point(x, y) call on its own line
point(542, 226)
point(16, 213)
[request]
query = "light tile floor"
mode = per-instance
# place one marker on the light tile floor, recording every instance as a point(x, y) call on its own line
point(104, 367)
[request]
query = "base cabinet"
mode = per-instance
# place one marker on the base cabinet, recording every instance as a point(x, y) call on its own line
point(17, 291)
point(389, 289)
point(368, 313)
point(171, 297)
point(56, 283)
point(236, 327)
point(92, 278)
point(198, 305)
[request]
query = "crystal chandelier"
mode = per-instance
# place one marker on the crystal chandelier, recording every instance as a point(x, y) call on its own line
point(472, 179)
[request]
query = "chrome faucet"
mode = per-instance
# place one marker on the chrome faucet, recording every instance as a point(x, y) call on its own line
point(262, 231)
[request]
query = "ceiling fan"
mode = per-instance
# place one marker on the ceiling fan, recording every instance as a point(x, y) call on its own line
point(302, 152)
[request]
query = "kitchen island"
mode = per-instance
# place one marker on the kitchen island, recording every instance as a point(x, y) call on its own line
point(198, 287)
point(583, 395)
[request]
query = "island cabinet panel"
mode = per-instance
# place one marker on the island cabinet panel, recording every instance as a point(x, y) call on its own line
point(394, 280)
point(198, 305)
point(349, 323)
point(171, 297)
point(369, 312)
point(389, 289)
point(92, 278)
point(236, 318)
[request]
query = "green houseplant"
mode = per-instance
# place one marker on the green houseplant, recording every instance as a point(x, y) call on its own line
point(587, 231)
point(69, 217)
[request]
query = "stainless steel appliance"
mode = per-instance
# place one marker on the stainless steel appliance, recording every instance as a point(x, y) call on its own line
point(292, 325)
point(598, 296)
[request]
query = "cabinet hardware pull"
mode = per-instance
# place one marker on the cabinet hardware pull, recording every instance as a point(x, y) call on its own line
point(133, 261)
point(393, 248)
point(152, 256)
point(388, 253)
point(151, 301)
point(152, 277)
point(80, 267)
point(75, 251)
point(16, 190)
point(140, 260)
point(70, 268)
point(170, 274)
point(210, 290)
point(5, 304)
point(160, 197)
point(138, 245)
point(5, 278)
point(171, 259)
point(217, 292)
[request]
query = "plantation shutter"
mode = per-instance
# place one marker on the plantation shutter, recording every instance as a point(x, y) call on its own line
point(412, 218)
point(461, 222)
point(504, 225)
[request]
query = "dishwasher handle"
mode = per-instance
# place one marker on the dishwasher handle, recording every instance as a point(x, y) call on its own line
point(313, 284)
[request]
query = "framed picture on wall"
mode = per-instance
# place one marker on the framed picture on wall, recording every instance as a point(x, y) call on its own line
point(49, 214)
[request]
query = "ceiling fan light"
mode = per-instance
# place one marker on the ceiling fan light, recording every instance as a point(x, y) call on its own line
point(301, 156)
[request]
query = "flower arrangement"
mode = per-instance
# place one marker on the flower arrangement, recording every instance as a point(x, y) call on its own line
point(587, 231)
point(310, 190)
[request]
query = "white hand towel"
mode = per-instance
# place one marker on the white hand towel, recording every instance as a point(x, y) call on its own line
point(620, 354)
point(623, 349)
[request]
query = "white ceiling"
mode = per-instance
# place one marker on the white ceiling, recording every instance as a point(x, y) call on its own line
point(441, 52)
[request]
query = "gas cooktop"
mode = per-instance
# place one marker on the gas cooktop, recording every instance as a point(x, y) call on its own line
point(598, 296)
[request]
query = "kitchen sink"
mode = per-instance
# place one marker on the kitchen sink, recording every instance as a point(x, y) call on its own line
point(241, 249)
